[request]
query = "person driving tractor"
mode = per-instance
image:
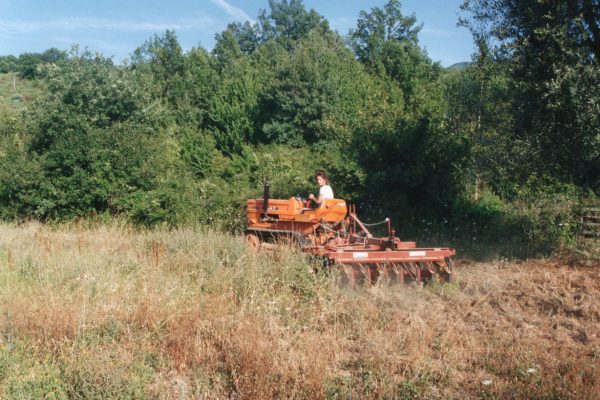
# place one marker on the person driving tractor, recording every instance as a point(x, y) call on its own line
point(325, 191)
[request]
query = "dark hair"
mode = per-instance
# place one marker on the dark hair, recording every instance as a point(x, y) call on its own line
point(322, 174)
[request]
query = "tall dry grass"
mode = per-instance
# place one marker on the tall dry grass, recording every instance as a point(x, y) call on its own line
point(109, 312)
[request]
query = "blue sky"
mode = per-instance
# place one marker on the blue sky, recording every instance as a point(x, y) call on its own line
point(117, 27)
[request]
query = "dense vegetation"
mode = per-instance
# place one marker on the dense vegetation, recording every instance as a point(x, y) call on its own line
point(506, 148)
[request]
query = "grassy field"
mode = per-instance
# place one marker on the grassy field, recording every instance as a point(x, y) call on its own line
point(16, 93)
point(113, 313)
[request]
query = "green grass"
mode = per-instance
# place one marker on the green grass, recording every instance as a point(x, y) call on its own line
point(16, 93)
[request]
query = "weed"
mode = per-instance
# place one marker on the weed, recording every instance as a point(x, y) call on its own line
point(105, 311)
point(43, 385)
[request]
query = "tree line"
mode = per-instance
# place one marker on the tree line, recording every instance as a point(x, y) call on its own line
point(178, 136)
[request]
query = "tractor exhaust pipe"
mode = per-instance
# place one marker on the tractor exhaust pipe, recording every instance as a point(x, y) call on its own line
point(266, 197)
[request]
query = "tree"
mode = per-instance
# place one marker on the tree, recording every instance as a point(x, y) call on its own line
point(479, 111)
point(315, 94)
point(227, 51)
point(546, 44)
point(199, 84)
point(247, 36)
point(380, 27)
point(288, 22)
point(232, 110)
point(163, 57)
point(28, 63)
point(8, 64)
point(54, 55)
point(92, 144)
point(387, 43)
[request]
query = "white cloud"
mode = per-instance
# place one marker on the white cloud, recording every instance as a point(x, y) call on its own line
point(436, 33)
point(232, 11)
point(107, 46)
point(84, 23)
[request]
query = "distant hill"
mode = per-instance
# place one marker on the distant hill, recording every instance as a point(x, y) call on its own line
point(460, 65)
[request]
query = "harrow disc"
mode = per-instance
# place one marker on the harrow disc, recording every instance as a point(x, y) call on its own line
point(385, 273)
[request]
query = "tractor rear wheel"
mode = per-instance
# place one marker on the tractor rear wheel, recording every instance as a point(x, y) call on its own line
point(253, 242)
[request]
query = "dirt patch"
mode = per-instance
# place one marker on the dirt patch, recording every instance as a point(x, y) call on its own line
point(526, 327)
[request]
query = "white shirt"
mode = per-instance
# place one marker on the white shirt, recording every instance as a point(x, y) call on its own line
point(326, 192)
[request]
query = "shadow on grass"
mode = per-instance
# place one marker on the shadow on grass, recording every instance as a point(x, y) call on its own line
point(484, 231)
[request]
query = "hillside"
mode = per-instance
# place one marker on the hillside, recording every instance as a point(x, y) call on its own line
point(112, 313)
point(459, 65)
point(16, 93)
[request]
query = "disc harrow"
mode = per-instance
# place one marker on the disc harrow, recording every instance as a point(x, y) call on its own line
point(334, 232)
point(386, 273)
point(364, 259)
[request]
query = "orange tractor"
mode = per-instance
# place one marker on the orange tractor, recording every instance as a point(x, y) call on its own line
point(335, 232)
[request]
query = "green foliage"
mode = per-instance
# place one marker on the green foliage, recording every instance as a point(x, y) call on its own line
point(417, 169)
point(380, 27)
point(289, 22)
point(200, 84)
point(232, 110)
point(42, 383)
point(545, 45)
point(479, 112)
point(227, 50)
point(307, 97)
point(8, 64)
point(163, 56)
point(95, 140)
point(27, 64)
point(387, 43)
point(179, 137)
point(572, 142)
point(199, 152)
point(21, 180)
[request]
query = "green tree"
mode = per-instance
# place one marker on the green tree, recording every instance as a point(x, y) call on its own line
point(227, 50)
point(387, 42)
point(378, 28)
point(163, 57)
point(8, 64)
point(247, 36)
point(411, 164)
point(91, 145)
point(546, 44)
point(232, 110)
point(288, 22)
point(317, 94)
point(479, 111)
point(27, 65)
point(199, 84)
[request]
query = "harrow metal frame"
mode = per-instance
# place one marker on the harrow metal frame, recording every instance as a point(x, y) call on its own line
point(350, 247)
